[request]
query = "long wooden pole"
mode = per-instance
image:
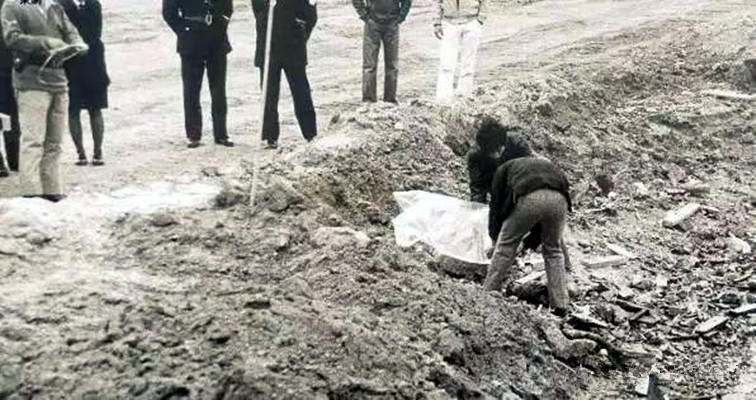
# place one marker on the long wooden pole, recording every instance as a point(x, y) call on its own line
point(266, 72)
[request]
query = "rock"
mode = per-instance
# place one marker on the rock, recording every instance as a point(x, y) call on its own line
point(338, 238)
point(743, 310)
point(258, 302)
point(639, 190)
point(675, 217)
point(162, 220)
point(738, 245)
point(641, 388)
point(232, 193)
point(711, 324)
point(579, 348)
point(280, 195)
point(583, 319)
point(508, 395)
point(619, 250)
point(608, 261)
point(750, 65)
point(10, 375)
point(37, 238)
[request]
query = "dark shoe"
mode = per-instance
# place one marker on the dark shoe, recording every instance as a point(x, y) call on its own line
point(193, 144)
point(224, 142)
point(82, 162)
point(310, 139)
point(53, 197)
point(98, 162)
point(272, 144)
point(4, 173)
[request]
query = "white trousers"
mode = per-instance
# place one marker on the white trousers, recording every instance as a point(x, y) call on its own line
point(459, 49)
point(43, 119)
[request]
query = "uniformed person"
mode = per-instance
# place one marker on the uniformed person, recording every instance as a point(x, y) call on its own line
point(9, 134)
point(201, 28)
point(293, 22)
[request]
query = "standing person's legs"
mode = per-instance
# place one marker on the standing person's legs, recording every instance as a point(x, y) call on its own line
point(271, 128)
point(74, 125)
point(371, 45)
point(216, 77)
point(391, 60)
point(471, 34)
point(522, 219)
point(32, 105)
point(97, 122)
point(192, 69)
point(553, 251)
point(56, 126)
point(10, 136)
point(447, 63)
point(302, 96)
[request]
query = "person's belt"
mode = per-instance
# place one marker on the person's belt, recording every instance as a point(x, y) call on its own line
point(207, 19)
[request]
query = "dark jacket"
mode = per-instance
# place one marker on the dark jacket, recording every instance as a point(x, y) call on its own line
point(517, 178)
point(6, 57)
point(293, 22)
point(88, 70)
point(195, 38)
point(383, 11)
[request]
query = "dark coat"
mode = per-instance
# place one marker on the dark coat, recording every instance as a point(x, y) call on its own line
point(194, 37)
point(87, 74)
point(518, 177)
point(481, 168)
point(6, 57)
point(293, 22)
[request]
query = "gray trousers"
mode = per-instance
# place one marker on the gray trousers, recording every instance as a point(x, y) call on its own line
point(43, 118)
point(376, 33)
point(549, 208)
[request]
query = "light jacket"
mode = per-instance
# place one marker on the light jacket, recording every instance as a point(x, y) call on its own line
point(461, 11)
point(27, 28)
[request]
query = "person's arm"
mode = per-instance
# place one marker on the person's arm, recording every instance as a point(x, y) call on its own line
point(482, 10)
point(97, 11)
point(498, 202)
point(361, 8)
point(226, 12)
point(20, 42)
point(478, 184)
point(171, 15)
point(68, 31)
point(310, 16)
point(404, 10)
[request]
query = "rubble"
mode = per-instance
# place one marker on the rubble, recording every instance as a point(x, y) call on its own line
point(676, 217)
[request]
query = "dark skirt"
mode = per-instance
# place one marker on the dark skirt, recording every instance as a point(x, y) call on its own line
point(88, 80)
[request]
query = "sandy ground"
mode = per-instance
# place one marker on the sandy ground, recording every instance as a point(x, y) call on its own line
point(101, 299)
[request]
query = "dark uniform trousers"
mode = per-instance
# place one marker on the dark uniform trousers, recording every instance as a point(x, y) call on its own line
point(375, 34)
point(11, 137)
point(192, 72)
point(301, 94)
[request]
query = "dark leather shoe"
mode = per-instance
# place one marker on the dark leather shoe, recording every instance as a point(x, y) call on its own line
point(272, 144)
point(193, 144)
point(53, 197)
point(4, 173)
point(225, 142)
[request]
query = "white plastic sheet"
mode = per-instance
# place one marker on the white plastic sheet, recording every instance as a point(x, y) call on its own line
point(453, 227)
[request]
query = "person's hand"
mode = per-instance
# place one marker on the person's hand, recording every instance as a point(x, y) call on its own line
point(52, 43)
point(438, 31)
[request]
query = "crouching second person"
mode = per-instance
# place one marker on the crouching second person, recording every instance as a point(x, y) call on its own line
point(526, 192)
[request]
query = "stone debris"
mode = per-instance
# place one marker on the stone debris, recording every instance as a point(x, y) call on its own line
point(607, 261)
point(711, 324)
point(675, 217)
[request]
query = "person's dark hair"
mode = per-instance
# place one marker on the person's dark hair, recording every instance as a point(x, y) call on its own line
point(491, 134)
